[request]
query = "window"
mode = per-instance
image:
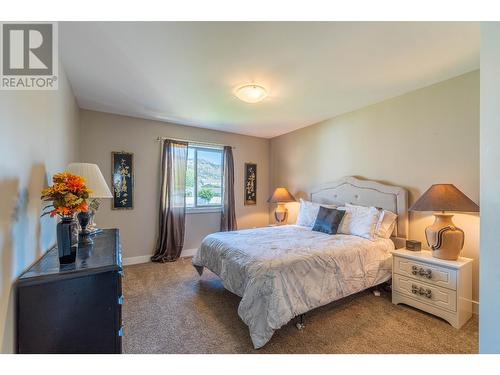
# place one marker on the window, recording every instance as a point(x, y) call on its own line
point(204, 177)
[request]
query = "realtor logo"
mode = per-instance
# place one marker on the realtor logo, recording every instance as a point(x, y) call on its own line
point(29, 56)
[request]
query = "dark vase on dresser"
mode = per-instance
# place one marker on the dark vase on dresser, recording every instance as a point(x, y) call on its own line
point(72, 308)
point(67, 240)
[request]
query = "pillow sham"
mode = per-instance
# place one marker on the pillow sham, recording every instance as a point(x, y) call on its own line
point(308, 212)
point(386, 223)
point(328, 220)
point(359, 221)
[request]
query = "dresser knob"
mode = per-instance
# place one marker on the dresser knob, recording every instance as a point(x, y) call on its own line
point(415, 289)
point(425, 273)
point(421, 271)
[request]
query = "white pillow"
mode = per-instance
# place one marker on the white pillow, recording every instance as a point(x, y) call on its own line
point(308, 212)
point(386, 223)
point(359, 221)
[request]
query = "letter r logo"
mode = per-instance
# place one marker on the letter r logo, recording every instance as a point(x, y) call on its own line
point(27, 49)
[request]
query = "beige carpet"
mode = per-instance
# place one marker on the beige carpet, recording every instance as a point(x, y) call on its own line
point(168, 308)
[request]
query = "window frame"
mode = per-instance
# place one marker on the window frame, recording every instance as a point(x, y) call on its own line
point(196, 208)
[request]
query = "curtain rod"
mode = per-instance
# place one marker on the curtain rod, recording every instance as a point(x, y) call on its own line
point(194, 142)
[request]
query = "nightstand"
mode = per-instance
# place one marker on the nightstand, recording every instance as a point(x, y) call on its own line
point(439, 287)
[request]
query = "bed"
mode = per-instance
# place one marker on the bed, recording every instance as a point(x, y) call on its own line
point(284, 271)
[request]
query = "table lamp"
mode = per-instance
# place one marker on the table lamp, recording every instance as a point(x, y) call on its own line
point(444, 238)
point(281, 196)
point(95, 182)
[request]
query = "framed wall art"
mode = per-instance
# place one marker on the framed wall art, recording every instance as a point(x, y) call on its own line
point(250, 184)
point(122, 168)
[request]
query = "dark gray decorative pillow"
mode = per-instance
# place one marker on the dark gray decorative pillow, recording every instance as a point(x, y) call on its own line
point(328, 220)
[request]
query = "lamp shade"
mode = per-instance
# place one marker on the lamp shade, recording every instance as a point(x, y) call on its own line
point(281, 195)
point(94, 179)
point(444, 197)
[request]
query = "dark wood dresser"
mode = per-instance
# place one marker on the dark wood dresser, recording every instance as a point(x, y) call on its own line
point(73, 308)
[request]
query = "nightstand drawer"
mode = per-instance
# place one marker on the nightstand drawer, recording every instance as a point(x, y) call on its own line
point(429, 273)
point(426, 293)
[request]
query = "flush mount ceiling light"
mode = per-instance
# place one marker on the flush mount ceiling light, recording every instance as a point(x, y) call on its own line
point(251, 93)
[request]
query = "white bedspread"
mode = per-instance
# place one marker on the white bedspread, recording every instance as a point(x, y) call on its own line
point(281, 272)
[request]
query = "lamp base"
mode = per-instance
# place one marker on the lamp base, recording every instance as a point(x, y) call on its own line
point(93, 207)
point(95, 231)
point(84, 235)
point(281, 214)
point(444, 238)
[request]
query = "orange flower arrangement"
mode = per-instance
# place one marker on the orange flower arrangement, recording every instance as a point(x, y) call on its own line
point(68, 195)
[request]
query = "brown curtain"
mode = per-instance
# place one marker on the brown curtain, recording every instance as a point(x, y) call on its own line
point(228, 216)
point(172, 201)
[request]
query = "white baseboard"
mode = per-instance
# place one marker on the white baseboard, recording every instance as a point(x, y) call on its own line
point(188, 252)
point(475, 308)
point(136, 260)
point(147, 258)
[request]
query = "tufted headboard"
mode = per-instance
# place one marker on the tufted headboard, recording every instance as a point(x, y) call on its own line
point(367, 193)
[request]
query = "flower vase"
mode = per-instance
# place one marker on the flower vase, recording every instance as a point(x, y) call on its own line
point(67, 240)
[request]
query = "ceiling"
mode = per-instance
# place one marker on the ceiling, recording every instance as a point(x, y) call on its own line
point(186, 72)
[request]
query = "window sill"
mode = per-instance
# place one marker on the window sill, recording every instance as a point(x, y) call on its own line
point(203, 210)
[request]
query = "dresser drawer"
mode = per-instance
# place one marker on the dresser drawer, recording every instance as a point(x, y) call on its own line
point(429, 273)
point(426, 293)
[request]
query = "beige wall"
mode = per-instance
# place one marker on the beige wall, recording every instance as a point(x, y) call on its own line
point(38, 137)
point(415, 140)
point(102, 133)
